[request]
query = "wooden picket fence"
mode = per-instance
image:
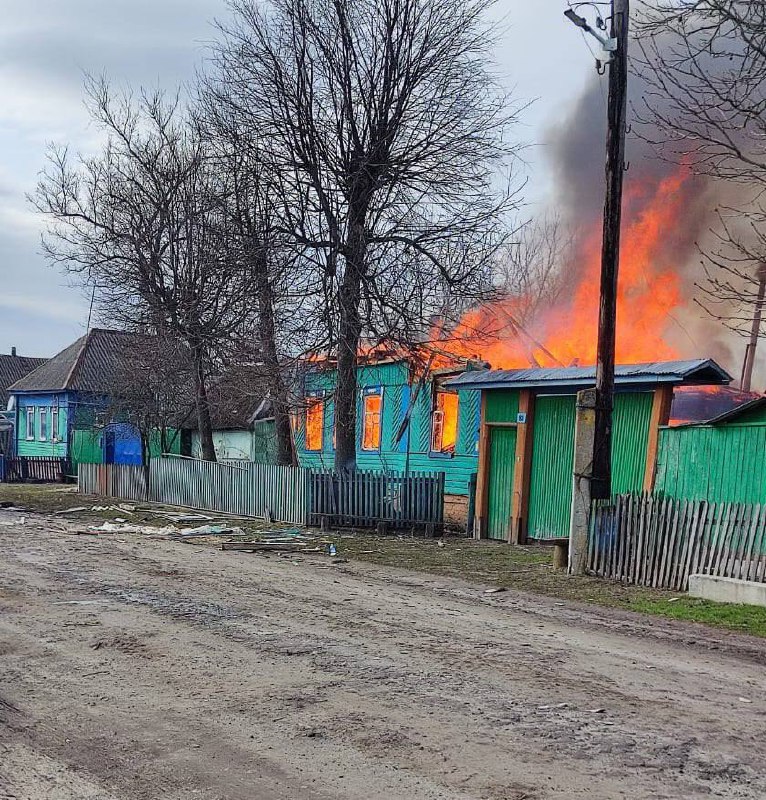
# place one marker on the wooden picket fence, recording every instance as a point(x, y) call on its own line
point(365, 499)
point(660, 541)
point(34, 469)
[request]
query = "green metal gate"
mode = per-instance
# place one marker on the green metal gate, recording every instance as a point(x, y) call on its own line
point(502, 455)
point(550, 489)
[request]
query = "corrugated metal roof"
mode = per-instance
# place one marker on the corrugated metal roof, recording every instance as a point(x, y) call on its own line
point(92, 364)
point(12, 369)
point(733, 413)
point(697, 371)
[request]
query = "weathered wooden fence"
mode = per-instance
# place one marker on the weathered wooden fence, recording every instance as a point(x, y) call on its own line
point(249, 490)
point(33, 469)
point(287, 494)
point(365, 498)
point(660, 541)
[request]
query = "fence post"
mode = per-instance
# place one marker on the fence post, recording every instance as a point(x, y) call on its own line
point(583, 468)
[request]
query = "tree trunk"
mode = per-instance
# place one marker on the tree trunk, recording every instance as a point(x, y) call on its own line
point(204, 422)
point(276, 383)
point(349, 333)
point(755, 331)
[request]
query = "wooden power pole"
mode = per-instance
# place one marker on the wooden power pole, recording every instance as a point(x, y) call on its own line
point(755, 331)
point(601, 481)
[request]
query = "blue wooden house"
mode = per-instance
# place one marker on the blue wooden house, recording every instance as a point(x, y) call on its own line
point(61, 408)
point(406, 422)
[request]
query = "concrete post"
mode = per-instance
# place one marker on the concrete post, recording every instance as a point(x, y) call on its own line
point(585, 427)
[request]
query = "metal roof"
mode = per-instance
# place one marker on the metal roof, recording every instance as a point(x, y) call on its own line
point(12, 369)
point(701, 371)
point(91, 364)
point(733, 413)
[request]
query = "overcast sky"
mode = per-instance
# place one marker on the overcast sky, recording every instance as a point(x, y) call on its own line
point(47, 45)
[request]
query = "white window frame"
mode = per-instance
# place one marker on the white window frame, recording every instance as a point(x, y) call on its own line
point(42, 431)
point(30, 412)
point(55, 414)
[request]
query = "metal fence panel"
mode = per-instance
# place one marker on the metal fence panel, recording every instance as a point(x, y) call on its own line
point(241, 488)
point(114, 480)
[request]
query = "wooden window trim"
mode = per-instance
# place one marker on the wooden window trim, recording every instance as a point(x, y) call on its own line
point(42, 432)
point(314, 400)
point(55, 422)
point(433, 452)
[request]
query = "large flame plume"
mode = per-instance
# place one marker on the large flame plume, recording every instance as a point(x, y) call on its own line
point(650, 292)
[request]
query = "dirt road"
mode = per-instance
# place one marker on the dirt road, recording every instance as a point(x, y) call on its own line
point(142, 668)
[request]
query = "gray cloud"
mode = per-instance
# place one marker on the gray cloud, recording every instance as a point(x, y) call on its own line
point(46, 45)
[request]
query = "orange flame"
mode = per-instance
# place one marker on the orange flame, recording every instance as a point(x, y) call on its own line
point(649, 290)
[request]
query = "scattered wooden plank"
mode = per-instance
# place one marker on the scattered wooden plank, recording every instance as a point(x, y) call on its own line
point(291, 547)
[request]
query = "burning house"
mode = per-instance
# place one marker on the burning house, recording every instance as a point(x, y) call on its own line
point(408, 420)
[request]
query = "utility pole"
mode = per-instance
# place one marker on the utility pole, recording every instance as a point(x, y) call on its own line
point(601, 482)
point(617, 46)
point(755, 331)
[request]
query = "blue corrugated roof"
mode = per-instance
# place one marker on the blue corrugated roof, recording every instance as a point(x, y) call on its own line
point(698, 371)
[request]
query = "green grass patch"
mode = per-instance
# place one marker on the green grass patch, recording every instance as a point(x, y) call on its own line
point(745, 619)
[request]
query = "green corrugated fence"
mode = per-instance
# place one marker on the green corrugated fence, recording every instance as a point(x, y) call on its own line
point(717, 463)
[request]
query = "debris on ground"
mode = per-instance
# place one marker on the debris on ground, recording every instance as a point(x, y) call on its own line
point(210, 530)
point(275, 547)
point(181, 516)
point(123, 527)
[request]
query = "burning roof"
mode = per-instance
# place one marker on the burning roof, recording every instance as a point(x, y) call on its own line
point(696, 372)
point(696, 404)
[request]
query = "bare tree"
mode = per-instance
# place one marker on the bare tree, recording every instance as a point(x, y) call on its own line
point(735, 280)
point(146, 222)
point(533, 267)
point(280, 286)
point(529, 279)
point(705, 64)
point(151, 385)
point(384, 116)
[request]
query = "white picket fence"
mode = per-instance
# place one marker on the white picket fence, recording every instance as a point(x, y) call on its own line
point(244, 489)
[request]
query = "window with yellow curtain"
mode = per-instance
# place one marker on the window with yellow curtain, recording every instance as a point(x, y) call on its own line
point(372, 408)
point(444, 422)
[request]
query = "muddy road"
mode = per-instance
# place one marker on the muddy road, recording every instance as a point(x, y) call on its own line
point(134, 667)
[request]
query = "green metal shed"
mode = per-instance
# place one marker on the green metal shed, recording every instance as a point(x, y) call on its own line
point(526, 451)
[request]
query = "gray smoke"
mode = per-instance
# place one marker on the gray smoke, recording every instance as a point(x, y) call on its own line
point(577, 155)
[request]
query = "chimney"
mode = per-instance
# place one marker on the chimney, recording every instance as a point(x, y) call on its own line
point(13, 351)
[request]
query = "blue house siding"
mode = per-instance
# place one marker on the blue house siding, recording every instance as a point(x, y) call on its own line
point(120, 443)
point(413, 452)
point(33, 444)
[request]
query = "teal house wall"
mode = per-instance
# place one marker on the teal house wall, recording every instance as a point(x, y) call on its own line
point(412, 453)
point(257, 443)
point(55, 443)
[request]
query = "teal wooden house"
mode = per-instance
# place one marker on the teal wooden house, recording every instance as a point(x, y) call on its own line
point(405, 423)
